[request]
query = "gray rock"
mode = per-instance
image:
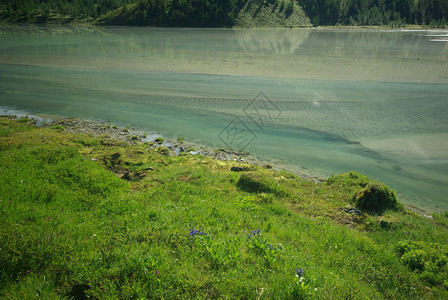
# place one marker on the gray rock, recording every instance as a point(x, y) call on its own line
point(353, 211)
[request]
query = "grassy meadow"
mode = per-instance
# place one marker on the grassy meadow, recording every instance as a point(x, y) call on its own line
point(94, 218)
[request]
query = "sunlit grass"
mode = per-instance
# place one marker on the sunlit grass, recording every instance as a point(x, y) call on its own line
point(189, 227)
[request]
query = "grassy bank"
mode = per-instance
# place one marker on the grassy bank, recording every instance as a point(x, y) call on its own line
point(93, 216)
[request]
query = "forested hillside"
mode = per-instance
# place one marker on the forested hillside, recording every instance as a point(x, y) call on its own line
point(228, 13)
point(376, 12)
point(203, 13)
point(41, 11)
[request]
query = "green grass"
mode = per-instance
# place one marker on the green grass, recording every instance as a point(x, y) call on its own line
point(188, 227)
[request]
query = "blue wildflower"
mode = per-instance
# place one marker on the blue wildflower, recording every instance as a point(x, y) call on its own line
point(255, 232)
point(299, 272)
point(270, 247)
point(193, 232)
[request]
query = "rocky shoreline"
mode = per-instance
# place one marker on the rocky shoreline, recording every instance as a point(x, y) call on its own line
point(133, 136)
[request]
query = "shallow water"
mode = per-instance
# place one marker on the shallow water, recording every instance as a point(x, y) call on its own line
point(333, 100)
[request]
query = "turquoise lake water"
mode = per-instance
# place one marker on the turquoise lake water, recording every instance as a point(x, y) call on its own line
point(313, 101)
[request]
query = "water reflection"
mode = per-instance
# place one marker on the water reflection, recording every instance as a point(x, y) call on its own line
point(314, 54)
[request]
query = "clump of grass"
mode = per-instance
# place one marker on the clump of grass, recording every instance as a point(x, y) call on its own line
point(163, 150)
point(180, 139)
point(256, 182)
point(58, 127)
point(352, 180)
point(159, 140)
point(114, 126)
point(88, 141)
point(134, 137)
point(190, 149)
point(23, 120)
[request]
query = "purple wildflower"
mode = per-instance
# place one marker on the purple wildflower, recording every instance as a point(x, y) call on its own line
point(299, 272)
point(157, 272)
point(193, 232)
point(254, 232)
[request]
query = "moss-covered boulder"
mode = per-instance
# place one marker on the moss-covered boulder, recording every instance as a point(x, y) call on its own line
point(376, 198)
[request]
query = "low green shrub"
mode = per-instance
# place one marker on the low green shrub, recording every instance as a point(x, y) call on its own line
point(429, 260)
point(376, 198)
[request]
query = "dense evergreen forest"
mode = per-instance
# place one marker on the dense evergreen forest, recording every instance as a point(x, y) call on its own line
point(228, 13)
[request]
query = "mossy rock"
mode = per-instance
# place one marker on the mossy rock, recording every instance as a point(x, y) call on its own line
point(259, 183)
point(376, 198)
